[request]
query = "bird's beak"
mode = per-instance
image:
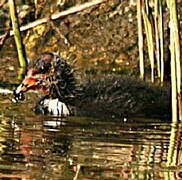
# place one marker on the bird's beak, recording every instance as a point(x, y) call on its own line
point(27, 84)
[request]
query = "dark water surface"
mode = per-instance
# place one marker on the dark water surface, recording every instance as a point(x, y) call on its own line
point(42, 147)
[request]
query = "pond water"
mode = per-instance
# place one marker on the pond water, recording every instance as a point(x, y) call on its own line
point(44, 147)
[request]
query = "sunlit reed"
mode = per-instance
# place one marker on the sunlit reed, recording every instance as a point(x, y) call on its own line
point(150, 43)
point(140, 39)
point(156, 22)
point(161, 41)
point(17, 35)
point(175, 61)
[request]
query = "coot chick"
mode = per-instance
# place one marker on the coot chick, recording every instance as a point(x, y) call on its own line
point(111, 96)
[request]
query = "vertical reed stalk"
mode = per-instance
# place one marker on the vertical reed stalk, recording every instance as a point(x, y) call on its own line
point(173, 80)
point(150, 44)
point(140, 39)
point(17, 35)
point(36, 8)
point(177, 53)
point(146, 6)
point(156, 21)
point(175, 60)
point(161, 41)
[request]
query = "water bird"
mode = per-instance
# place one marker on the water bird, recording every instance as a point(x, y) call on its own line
point(110, 96)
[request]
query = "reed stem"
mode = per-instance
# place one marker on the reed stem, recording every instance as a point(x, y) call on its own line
point(17, 35)
point(150, 43)
point(140, 39)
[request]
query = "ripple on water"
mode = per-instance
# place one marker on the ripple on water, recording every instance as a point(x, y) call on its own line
point(43, 147)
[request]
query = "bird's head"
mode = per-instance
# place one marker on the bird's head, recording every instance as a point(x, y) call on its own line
point(34, 80)
point(36, 76)
point(49, 74)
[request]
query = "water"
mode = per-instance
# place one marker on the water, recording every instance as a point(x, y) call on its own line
point(44, 147)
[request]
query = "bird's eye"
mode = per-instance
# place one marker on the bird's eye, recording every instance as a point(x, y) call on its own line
point(25, 85)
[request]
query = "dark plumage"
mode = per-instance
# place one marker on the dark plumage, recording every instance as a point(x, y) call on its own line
point(111, 96)
point(115, 96)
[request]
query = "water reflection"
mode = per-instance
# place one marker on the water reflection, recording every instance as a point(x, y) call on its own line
point(42, 147)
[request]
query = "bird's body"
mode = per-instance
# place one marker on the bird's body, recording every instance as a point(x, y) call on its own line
point(111, 96)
